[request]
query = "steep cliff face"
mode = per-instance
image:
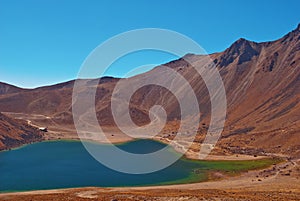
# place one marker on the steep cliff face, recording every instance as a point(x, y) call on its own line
point(263, 96)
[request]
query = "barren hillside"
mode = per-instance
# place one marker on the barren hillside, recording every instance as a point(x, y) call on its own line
point(262, 82)
point(14, 133)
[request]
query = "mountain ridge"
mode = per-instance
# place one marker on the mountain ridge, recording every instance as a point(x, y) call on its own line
point(238, 41)
point(261, 82)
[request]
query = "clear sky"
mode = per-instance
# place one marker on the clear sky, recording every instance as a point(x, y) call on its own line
point(45, 41)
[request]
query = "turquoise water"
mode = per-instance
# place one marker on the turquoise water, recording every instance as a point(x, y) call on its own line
point(65, 164)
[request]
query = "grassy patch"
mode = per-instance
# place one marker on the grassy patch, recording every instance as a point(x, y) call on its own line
point(202, 169)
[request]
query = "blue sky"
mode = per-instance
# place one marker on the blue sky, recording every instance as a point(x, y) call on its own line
point(45, 41)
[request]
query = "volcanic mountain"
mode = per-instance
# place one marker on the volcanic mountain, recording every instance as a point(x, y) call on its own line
point(262, 82)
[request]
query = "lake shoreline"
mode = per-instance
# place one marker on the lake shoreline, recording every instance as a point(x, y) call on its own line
point(207, 168)
point(137, 187)
point(115, 136)
point(189, 154)
point(245, 183)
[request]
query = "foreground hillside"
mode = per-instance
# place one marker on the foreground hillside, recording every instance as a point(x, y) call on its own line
point(14, 133)
point(262, 82)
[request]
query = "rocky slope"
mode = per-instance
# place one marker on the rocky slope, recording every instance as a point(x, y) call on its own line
point(14, 133)
point(8, 89)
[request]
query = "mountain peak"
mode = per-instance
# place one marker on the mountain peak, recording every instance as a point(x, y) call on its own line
point(242, 44)
point(295, 31)
point(298, 27)
point(292, 36)
point(242, 49)
point(242, 40)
